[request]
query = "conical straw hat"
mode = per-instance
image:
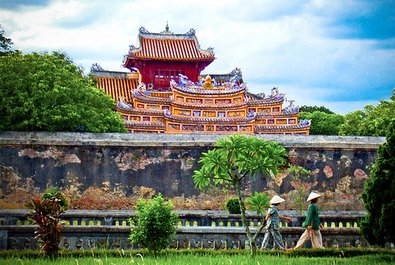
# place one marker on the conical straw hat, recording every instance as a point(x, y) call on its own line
point(313, 196)
point(276, 199)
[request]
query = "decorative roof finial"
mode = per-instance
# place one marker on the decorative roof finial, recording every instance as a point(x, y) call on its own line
point(167, 30)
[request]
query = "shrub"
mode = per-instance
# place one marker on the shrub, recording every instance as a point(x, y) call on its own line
point(233, 206)
point(46, 211)
point(155, 224)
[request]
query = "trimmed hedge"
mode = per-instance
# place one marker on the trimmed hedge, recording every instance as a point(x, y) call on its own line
point(327, 252)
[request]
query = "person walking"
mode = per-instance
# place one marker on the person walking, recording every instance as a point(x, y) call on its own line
point(273, 224)
point(312, 224)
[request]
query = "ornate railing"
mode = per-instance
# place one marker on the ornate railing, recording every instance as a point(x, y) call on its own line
point(196, 229)
point(110, 237)
point(186, 218)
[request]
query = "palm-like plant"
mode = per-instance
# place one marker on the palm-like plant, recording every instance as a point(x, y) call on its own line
point(46, 211)
point(259, 202)
point(232, 160)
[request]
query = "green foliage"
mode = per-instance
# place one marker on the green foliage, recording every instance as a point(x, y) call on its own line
point(237, 156)
point(47, 92)
point(372, 121)
point(349, 256)
point(352, 123)
point(155, 224)
point(323, 123)
point(186, 254)
point(299, 198)
point(233, 159)
point(379, 195)
point(233, 206)
point(258, 202)
point(45, 213)
point(298, 172)
point(315, 108)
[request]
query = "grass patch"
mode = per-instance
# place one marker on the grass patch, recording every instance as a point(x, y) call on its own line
point(182, 259)
point(202, 256)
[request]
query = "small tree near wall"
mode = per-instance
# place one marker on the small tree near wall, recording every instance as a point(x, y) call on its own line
point(154, 224)
point(45, 213)
point(235, 158)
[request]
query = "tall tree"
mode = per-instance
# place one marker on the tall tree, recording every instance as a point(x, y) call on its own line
point(323, 123)
point(352, 123)
point(47, 92)
point(372, 121)
point(305, 108)
point(235, 158)
point(379, 195)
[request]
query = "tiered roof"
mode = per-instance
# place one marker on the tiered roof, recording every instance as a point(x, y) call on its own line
point(168, 46)
point(115, 84)
point(208, 90)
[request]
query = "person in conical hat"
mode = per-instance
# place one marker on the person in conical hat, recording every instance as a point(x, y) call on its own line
point(312, 224)
point(273, 224)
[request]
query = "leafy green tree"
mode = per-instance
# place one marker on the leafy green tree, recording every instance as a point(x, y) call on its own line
point(323, 123)
point(379, 194)
point(372, 121)
point(5, 43)
point(47, 92)
point(352, 123)
point(45, 212)
point(315, 108)
point(233, 159)
point(155, 224)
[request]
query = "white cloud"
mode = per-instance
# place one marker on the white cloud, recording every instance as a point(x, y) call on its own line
point(285, 43)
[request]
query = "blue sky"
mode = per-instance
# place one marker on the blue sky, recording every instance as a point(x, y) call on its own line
point(338, 54)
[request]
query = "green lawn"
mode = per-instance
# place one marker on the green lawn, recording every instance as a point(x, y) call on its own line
point(196, 259)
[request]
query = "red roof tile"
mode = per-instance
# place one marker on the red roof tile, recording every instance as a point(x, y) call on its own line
point(169, 46)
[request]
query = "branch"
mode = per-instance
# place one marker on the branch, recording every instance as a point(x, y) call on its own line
point(243, 176)
point(259, 230)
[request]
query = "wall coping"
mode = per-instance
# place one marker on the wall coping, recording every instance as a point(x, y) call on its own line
point(180, 140)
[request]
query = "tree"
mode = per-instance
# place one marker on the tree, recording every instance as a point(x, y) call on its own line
point(5, 43)
point(46, 211)
point(315, 108)
point(352, 123)
point(232, 160)
point(47, 92)
point(323, 123)
point(155, 224)
point(379, 195)
point(372, 121)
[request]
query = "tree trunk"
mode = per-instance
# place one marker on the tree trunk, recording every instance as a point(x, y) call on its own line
point(251, 241)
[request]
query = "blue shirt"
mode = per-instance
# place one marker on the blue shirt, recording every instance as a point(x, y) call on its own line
point(274, 219)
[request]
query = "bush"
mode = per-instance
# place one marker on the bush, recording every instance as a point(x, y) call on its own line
point(233, 206)
point(46, 211)
point(155, 224)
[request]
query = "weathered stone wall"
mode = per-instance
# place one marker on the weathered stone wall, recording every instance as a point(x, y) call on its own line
point(165, 162)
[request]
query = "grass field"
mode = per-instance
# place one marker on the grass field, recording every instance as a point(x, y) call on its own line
point(174, 258)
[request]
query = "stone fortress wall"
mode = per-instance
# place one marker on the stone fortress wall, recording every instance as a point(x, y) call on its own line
point(165, 162)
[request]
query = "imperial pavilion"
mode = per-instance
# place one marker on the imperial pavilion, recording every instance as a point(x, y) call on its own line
point(164, 92)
